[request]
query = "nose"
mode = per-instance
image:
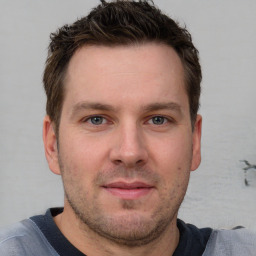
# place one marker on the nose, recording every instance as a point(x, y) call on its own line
point(129, 148)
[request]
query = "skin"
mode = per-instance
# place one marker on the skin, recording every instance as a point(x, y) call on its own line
point(125, 120)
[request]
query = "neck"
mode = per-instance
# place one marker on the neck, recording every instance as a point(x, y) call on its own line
point(90, 243)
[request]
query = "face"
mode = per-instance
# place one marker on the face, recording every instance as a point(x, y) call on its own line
point(126, 145)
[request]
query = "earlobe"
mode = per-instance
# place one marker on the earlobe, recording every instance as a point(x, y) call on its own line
point(50, 145)
point(196, 160)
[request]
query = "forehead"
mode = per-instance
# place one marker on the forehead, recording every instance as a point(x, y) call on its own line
point(124, 72)
point(148, 57)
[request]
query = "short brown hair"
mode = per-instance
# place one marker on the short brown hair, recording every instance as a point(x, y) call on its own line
point(120, 22)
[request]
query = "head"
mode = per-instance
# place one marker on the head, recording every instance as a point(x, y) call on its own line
point(123, 88)
point(112, 24)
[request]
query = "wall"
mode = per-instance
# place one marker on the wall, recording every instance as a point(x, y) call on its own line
point(225, 34)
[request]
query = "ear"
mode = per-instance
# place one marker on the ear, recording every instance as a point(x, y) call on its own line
point(196, 160)
point(50, 145)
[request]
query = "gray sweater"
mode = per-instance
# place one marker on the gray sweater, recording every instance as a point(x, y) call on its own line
point(26, 239)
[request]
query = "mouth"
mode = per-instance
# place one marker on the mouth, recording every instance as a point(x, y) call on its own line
point(128, 191)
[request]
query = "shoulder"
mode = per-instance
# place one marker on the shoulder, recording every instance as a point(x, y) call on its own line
point(23, 239)
point(240, 242)
point(11, 238)
point(16, 231)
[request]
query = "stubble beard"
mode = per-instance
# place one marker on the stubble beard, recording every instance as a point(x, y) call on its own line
point(131, 229)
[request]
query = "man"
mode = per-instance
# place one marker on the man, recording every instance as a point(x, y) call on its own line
point(122, 130)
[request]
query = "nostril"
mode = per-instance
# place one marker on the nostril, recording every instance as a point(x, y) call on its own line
point(117, 161)
point(140, 161)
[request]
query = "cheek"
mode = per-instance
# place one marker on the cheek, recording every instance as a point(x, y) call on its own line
point(80, 158)
point(82, 148)
point(172, 160)
point(173, 153)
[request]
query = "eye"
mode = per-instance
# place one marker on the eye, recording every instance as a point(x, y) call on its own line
point(158, 120)
point(96, 120)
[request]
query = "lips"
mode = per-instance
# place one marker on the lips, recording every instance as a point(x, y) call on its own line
point(129, 191)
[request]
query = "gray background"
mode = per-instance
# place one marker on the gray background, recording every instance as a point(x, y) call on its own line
point(225, 34)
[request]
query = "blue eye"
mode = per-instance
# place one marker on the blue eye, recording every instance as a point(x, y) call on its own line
point(96, 120)
point(158, 120)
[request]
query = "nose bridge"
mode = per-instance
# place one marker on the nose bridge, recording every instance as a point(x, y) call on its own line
point(129, 148)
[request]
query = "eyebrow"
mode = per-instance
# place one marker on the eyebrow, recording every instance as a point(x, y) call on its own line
point(106, 107)
point(91, 106)
point(162, 106)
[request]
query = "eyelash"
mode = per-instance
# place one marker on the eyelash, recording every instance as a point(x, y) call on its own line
point(105, 120)
point(89, 119)
point(164, 119)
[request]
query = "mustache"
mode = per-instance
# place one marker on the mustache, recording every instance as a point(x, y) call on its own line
point(127, 174)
